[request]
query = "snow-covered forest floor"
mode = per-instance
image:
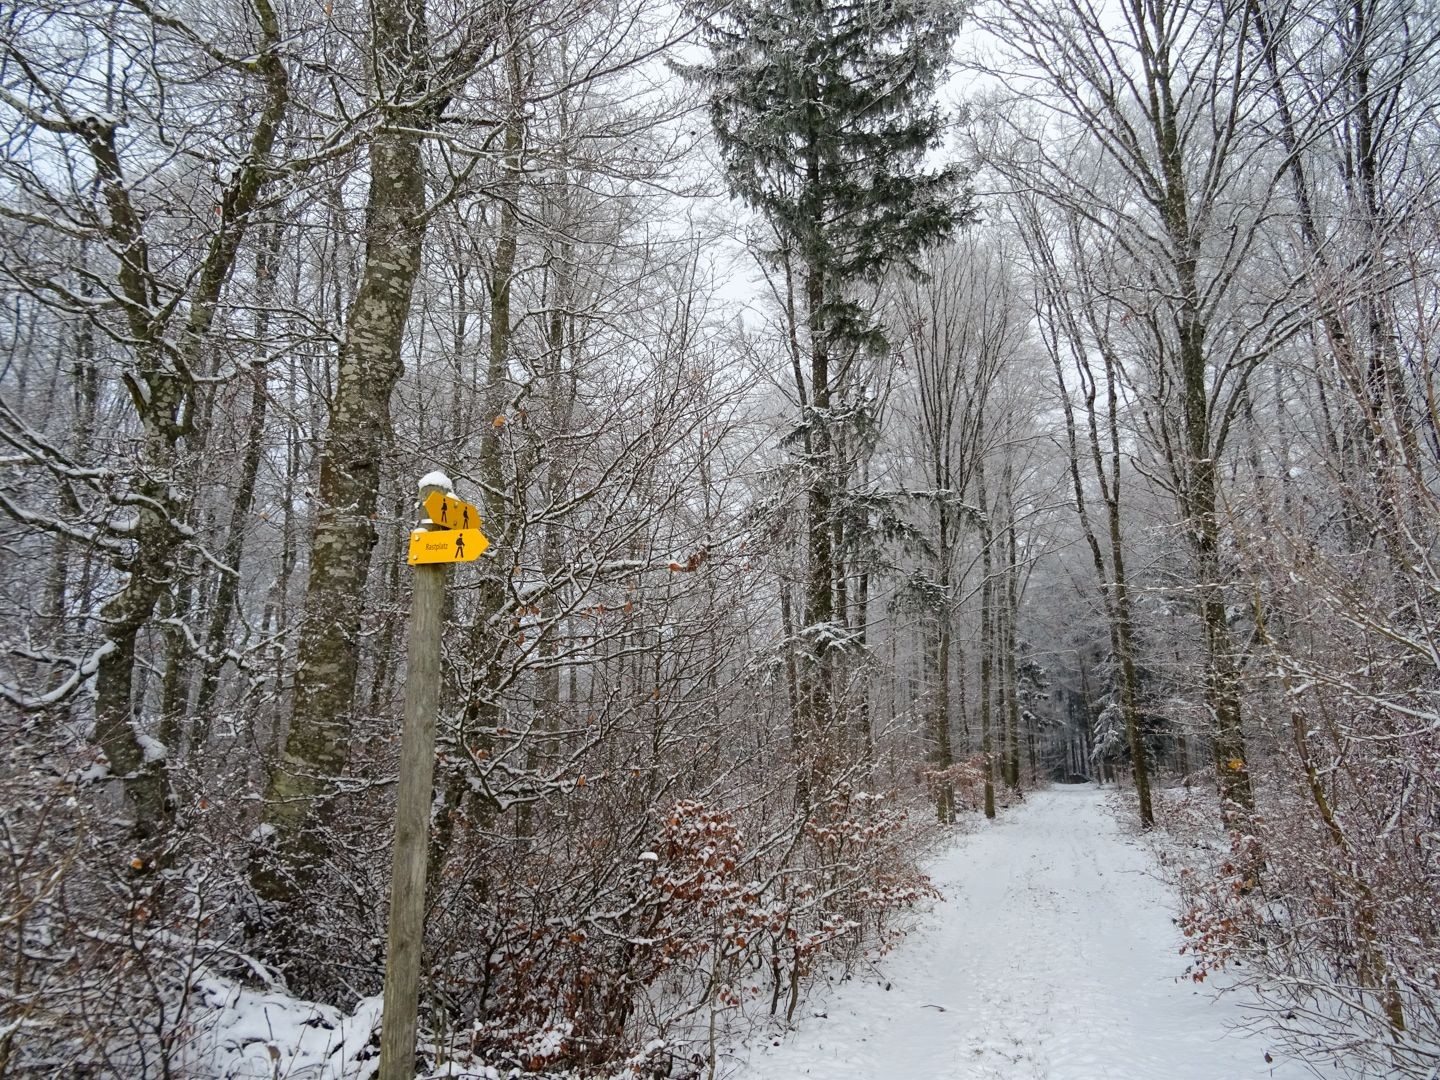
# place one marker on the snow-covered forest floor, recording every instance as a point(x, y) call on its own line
point(1054, 956)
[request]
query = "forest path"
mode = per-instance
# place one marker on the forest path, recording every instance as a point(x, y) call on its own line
point(1053, 958)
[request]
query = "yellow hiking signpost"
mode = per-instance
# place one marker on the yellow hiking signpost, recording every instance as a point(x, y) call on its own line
point(458, 539)
point(450, 545)
point(451, 513)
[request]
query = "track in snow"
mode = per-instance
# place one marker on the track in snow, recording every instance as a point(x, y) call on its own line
point(1053, 958)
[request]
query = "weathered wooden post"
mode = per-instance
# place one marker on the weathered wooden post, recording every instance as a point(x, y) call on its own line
point(432, 546)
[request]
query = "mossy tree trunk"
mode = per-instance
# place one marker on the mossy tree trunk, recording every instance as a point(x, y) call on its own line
point(317, 743)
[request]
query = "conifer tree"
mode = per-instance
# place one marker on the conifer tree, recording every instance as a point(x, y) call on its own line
point(823, 113)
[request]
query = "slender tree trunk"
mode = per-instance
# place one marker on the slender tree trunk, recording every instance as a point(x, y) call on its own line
point(1198, 476)
point(390, 603)
point(940, 648)
point(863, 722)
point(488, 644)
point(490, 640)
point(223, 610)
point(1111, 577)
point(987, 638)
point(285, 571)
point(944, 751)
point(820, 571)
point(961, 697)
point(1007, 644)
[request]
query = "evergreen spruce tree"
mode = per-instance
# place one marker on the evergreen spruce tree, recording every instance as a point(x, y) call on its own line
point(823, 113)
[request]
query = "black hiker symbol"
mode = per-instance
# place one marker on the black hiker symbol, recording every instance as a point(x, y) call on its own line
point(459, 545)
point(465, 518)
point(444, 512)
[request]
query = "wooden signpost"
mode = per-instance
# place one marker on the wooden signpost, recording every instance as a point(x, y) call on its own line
point(452, 534)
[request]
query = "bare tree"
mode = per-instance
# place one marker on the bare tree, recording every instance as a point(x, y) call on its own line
point(1152, 132)
point(960, 328)
point(1058, 251)
point(95, 168)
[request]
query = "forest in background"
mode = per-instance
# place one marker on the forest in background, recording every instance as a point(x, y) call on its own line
point(1081, 420)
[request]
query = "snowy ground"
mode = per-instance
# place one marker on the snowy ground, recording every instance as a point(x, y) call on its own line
point(1054, 958)
point(248, 1034)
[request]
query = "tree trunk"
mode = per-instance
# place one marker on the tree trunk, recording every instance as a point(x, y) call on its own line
point(316, 745)
point(820, 571)
point(944, 751)
point(490, 641)
point(987, 638)
point(1007, 644)
point(940, 706)
point(223, 611)
point(1197, 477)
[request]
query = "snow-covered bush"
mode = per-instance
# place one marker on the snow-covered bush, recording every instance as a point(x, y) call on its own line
point(1325, 900)
point(104, 938)
point(582, 956)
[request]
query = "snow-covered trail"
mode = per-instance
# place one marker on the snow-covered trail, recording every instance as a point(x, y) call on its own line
point(1053, 958)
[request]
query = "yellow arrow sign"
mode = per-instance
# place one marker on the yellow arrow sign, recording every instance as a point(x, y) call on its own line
point(451, 512)
point(450, 545)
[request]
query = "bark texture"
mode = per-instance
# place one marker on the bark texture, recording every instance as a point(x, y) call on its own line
point(316, 746)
